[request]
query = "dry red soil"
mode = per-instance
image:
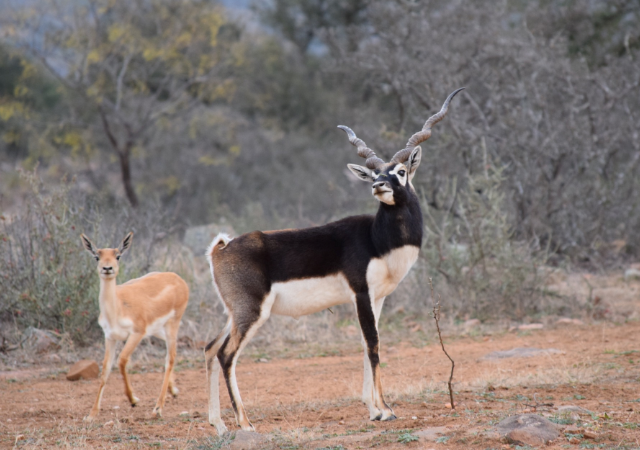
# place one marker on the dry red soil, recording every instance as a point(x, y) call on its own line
point(314, 402)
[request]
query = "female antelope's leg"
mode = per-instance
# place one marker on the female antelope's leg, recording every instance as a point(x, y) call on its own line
point(109, 356)
point(368, 324)
point(368, 392)
point(171, 332)
point(172, 385)
point(132, 342)
point(242, 330)
point(213, 378)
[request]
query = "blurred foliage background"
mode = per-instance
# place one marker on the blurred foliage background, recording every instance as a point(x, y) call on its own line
point(162, 115)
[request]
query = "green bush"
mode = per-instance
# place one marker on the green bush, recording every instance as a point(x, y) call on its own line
point(470, 247)
point(46, 280)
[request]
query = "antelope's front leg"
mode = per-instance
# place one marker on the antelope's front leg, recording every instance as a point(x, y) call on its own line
point(125, 354)
point(109, 356)
point(372, 389)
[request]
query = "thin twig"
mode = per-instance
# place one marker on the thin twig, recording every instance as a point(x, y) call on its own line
point(436, 316)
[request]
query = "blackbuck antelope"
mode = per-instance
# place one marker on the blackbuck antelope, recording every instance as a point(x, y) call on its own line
point(359, 260)
point(151, 305)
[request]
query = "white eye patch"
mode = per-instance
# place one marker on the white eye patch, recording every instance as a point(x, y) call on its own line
point(400, 171)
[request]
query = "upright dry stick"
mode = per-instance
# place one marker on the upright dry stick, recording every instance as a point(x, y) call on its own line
point(436, 316)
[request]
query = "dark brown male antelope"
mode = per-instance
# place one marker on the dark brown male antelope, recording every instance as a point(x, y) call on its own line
point(359, 260)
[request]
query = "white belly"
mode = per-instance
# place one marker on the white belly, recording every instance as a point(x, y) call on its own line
point(123, 327)
point(301, 297)
point(156, 328)
point(384, 274)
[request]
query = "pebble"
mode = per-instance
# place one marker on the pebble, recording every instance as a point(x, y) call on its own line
point(590, 434)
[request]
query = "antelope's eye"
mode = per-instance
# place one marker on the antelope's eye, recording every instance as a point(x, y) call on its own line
point(401, 173)
point(97, 258)
point(118, 257)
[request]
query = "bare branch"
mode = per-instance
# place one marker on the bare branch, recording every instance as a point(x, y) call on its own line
point(436, 316)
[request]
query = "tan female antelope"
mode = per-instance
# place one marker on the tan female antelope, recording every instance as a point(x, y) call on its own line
point(358, 260)
point(151, 305)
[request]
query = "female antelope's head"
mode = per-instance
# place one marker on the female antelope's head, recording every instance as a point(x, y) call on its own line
point(107, 258)
point(392, 180)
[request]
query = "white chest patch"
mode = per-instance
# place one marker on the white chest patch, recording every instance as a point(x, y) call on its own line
point(118, 331)
point(301, 297)
point(384, 274)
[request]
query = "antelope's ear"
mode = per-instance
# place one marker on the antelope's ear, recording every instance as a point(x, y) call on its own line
point(364, 173)
point(126, 243)
point(88, 246)
point(414, 161)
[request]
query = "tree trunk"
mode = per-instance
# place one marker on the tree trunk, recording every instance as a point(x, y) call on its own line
point(125, 168)
point(123, 155)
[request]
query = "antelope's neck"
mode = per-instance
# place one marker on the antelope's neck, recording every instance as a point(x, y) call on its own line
point(108, 299)
point(396, 226)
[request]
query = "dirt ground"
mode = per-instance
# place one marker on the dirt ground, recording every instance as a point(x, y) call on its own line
point(314, 402)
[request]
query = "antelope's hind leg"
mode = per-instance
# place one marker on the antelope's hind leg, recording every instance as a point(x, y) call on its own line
point(171, 333)
point(213, 378)
point(244, 325)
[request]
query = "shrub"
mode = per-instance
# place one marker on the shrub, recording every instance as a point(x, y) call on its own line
point(470, 246)
point(46, 281)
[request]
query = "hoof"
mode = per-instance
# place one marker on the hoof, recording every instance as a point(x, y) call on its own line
point(378, 417)
point(88, 419)
point(174, 392)
point(134, 401)
point(220, 427)
point(248, 427)
point(157, 413)
point(391, 417)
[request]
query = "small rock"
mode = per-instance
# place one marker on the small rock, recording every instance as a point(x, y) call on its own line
point(414, 418)
point(247, 440)
point(471, 323)
point(431, 434)
point(108, 424)
point(116, 407)
point(184, 414)
point(572, 429)
point(590, 434)
point(263, 360)
point(531, 326)
point(86, 369)
point(528, 429)
point(521, 352)
point(572, 409)
point(632, 274)
point(41, 341)
point(574, 440)
point(52, 359)
point(567, 321)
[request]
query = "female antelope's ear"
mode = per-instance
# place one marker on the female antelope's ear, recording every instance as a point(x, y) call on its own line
point(414, 161)
point(88, 246)
point(364, 173)
point(126, 243)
